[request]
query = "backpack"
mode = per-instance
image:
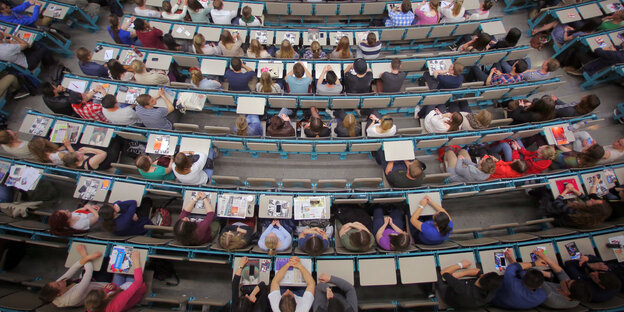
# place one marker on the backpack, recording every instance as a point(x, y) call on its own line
point(162, 216)
point(163, 271)
point(57, 72)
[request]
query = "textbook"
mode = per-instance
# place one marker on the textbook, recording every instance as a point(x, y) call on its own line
point(120, 259)
point(312, 207)
point(23, 177)
point(255, 271)
point(442, 64)
point(65, 131)
point(293, 276)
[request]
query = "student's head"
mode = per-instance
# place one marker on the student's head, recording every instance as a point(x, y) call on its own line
point(487, 5)
point(217, 4)
point(590, 155)
point(546, 152)
point(246, 13)
point(145, 100)
point(107, 217)
point(232, 240)
point(455, 121)
point(271, 242)
point(399, 241)
point(576, 289)
point(349, 123)
point(276, 122)
point(360, 66)
point(395, 64)
point(226, 37)
point(360, 240)
point(194, 5)
point(316, 124)
point(457, 68)
point(109, 101)
point(406, 6)
point(137, 66)
point(314, 246)
point(236, 64)
point(512, 37)
point(434, 5)
point(606, 280)
point(590, 24)
point(287, 302)
point(183, 232)
point(343, 47)
point(5, 9)
point(51, 290)
point(40, 147)
point(487, 165)
point(489, 282)
point(286, 50)
point(386, 123)
point(442, 220)
point(484, 118)
point(457, 7)
point(114, 22)
point(140, 24)
point(415, 169)
point(298, 70)
point(483, 40)
point(533, 279)
point(71, 159)
point(198, 43)
point(550, 65)
point(589, 213)
point(335, 305)
point(182, 162)
point(83, 55)
point(97, 299)
point(166, 6)
point(520, 66)
point(196, 76)
point(144, 162)
point(7, 137)
point(371, 39)
point(170, 42)
point(255, 48)
point(519, 166)
point(47, 89)
point(139, 3)
point(59, 223)
point(316, 49)
point(544, 108)
point(587, 104)
point(330, 77)
point(115, 69)
point(241, 125)
point(618, 144)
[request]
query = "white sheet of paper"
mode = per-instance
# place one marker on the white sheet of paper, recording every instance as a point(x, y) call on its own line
point(77, 86)
point(108, 54)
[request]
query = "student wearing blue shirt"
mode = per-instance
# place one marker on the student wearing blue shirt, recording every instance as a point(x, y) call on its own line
point(298, 79)
point(431, 232)
point(445, 79)
point(14, 15)
point(121, 34)
point(87, 66)
point(521, 289)
point(237, 80)
point(248, 125)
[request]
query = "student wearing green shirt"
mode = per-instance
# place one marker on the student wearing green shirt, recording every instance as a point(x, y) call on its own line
point(152, 170)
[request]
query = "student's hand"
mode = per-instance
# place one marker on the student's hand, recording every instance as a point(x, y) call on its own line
point(570, 187)
point(132, 19)
point(324, 278)
point(427, 198)
point(274, 222)
point(161, 92)
point(539, 254)
point(243, 261)
point(330, 293)
point(465, 264)
point(327, 68)
point(598, 266)
point(387, 220)
point(423, 202)
point(294, 261)
point(509, 255)
point(81, 248)
point(136, 258)
point(553, 97)
point(461, 157)
point(284, 117)
point(251, 297)
point(583, 260)
point(201, 195)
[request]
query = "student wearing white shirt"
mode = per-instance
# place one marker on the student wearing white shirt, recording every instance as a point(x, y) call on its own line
point(289, 302)
point(193, 168)
point(117, 115)
point(169, 12)
point(221, 16)
point(453, 14)
point(142, 10)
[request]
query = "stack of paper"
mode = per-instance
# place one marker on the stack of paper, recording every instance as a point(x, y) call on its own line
point(23, 177)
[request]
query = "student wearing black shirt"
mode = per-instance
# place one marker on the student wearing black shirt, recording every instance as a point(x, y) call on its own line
point(359, 82)
point(402, 174)
point(391, 81)
point(59, 99)
point(466, 293)
point(603, 283)
point(248, 297)
point(315, 128)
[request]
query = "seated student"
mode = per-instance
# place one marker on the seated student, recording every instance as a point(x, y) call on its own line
point(470, 120)
point(288, 301)
point(277, 236)
point(434, 231)
point(605, 57)
point(92, 158)
point(549, 66)
point(150, 37)
point(298, 79)
point(193, 168)
point(584, 211)
point(15, 15)
point(454, 14)
point(236, 236)
point(522, 111)
point(315, 52)
point(190, 231)
point(566, 294)
point(48, 152)
point(496, 77)
point(586, 105)
point(445, 79)
point(248, 125)
point(462, 169)
point(170, 12)
point(537, 161)
point(237, 80)
point(347, 125)
point(123, 218)
point(17, 51)
point(221, 16)
point(248, 297)
point(390, 231)
point(437, 120)
point(314, 236)
point(88, 109)
point(400, 15)
point(159, 169)
point(117, 71)
point(325, 299)
point(401, 174)
point(286, 51)
point(15, 147)
point(378, 126)
point(112, 298)
point(461, 293)
point(510, 40)
point(119, 115)
point(342, 50)
point(143, 10)
point(201, 47)
point(315, 128)
point(120, 33)
point(613, 152)
point(359, 81)
point(356, 232)
point(66, 292)
point(87, 66)
point(331, 86)
point(483, 12)
point(247, 19)
point(480, 42)
point(65, 223)
point(603, 283)
point(266, 84)
point(566, 158)
point(198, 80)
point(152, 77)
point(508, 169)
point(520, 289)
point(392, 81)
point(279, 125)
point(230, 45)
point(256, 50)
point(59, 99)
point(156, 117)
point(369, 48)
point(11, 89)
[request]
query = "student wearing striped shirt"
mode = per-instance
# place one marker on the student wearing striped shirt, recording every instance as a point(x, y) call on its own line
point(369, 47)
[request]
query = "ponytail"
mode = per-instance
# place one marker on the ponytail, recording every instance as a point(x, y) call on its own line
point(114, 21)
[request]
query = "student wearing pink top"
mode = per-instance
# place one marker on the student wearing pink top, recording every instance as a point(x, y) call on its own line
point(113, 297)
point(429, 17)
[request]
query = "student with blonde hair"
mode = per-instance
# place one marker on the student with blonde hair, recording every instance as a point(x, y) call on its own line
point(198, 80)
point(256, 50)
point(201, 47)
point(286, 51)
point(454, 14)
point(248, 125)
point(342, 50)
point(235, 236)
point(378, 126)
point(230, 45)
point(315, 51)
point(266, 84)
point(277, 236)
point(141, 75)
point(170, 12)
point(429, 17)
point(347, 126)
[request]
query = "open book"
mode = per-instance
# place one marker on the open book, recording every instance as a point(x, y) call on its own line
point(39, 126)
point(256, 271)
point(120, 259)
point(233, 205)
point(62, 131)
point(605, 180)
point(312, 207)
point(23, 177)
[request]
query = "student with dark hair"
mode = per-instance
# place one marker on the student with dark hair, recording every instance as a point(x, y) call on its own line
point(392, 81)
point(59, 99)
point(566, 294)
point(120, 32)
point(585, 105)
point(237, 80)
point(159, 169)
point(288, 301)
point(190, 231)
point(169, 12)
point(193, 168)
point(279, 125)
point(510, 40)
point(15, 15)
point(402, 174)
point(497, 77)
point(88, 109)
point(566, 158)
point(522, 111)
point(356, 230)
point(480, 42)
point(298, 79)
point(65, 223)
point(360, 81)
point(445, 79)
point(16, 50)
point(400, 15)
point(549, 66)
point(521, 287)
point(331, 86)
point(315, 127)
point(369, 48)
point(248, 297)
point(119, 115)
point(325, 299)
point(149, 36)
point(603, 283)
point(314, 236)
point(198, 13)
point(390, 232)
point(125, 218)
point(460, 293)
point(431, 232)
point(117, 71)
point(483, 12)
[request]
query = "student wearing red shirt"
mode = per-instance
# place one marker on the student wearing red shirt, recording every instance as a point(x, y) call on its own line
point(508, 169)
point(149, 37)
point(537, 161)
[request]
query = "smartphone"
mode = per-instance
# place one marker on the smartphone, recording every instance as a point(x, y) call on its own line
point(573, 251)
point(278, 208)
point(533, 257)
point(613, 245)
point(154, 59)
point(500, 261)
point(252, 270)
point(123, 88)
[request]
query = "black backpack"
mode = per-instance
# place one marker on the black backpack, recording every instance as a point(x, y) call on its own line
point(163, 271)
point(57, 72)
